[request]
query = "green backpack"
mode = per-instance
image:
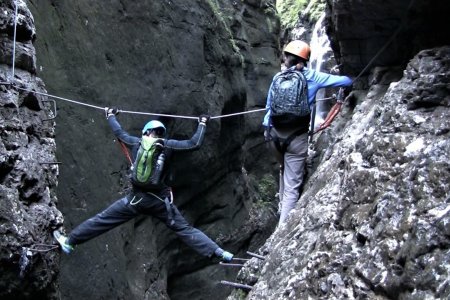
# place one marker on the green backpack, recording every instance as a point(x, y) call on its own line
point(147, 167)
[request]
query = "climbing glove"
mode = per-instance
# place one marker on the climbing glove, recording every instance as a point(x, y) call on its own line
point(224, 255)
point(227, 256)
point(111, 111)
point(203, 119)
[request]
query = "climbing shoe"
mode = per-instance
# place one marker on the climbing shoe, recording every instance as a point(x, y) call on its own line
point(62, 240)
point(223, 255)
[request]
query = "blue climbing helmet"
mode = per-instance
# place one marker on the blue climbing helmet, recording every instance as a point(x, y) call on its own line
point(152, 125)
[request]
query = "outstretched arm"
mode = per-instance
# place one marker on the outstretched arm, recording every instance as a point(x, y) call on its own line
point(194, 142)
point(121, 134)
point(318, 80)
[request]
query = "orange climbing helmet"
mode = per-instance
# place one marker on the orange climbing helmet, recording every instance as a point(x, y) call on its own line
point(298, 48)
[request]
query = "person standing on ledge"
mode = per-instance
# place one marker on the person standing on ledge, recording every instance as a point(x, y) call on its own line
point(149, 195)
point(290, 98)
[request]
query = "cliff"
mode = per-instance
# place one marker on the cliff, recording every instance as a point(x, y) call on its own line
point(372, 222)
point(170, 57)
point(28, 166)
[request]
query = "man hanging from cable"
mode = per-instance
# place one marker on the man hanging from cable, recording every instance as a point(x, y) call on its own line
point(150, 195)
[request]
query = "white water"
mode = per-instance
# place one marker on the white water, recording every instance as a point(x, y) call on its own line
point(320, 46)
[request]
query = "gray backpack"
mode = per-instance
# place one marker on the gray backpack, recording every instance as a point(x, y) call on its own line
point(289, 106)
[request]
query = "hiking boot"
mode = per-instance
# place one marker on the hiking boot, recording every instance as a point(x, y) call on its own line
point(225, 256)
point(62, 240)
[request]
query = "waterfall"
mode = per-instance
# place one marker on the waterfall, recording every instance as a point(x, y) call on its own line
point(320, 50)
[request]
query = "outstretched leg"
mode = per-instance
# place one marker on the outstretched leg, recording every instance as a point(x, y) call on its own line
point(191, 236)
point(117, 213)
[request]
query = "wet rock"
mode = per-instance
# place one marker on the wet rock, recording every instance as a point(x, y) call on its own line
point(28, 265)
point(171, 57)
point(371, 224)
point(397, 29)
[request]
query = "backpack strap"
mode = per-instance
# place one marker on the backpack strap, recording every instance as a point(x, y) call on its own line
point(282, 144)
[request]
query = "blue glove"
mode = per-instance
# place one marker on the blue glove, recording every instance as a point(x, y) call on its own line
point(227, 256)
point(223, 255)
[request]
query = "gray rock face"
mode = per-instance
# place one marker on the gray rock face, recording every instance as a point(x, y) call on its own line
point(27, 170)
point(173, 57)
point(373, 220)
point(359, 29)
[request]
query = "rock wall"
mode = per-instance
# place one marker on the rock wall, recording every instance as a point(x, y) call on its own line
point(172, 57)
point(28, 173)
point(373, 220)
point(359, 29)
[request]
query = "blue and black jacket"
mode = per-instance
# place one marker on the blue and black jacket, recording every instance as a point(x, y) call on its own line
point(170, 145)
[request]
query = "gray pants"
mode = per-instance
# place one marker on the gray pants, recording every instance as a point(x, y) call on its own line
point(141, 203)
point(292, 170)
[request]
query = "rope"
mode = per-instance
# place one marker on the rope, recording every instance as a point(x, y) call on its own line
point(121, 111)
point(14, 41)
point(155, 114)
point(180, 116)
point(387, 43)
point(98, 107)
point(61, 98)
point(237, 114)
point(134, 112)
point(325, 99)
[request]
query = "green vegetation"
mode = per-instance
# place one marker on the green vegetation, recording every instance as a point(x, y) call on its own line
point(316, 9)
point(290, 10)
point(267, 188)
point(240, 294)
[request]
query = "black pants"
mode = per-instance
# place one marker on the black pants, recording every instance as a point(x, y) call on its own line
point(141, 203)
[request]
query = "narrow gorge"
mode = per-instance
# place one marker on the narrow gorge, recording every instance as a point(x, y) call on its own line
point(373, 218)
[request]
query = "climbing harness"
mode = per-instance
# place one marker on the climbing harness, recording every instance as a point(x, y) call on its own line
point(282, 144)
point(135, 201)
point(168, 201)
point(333, 112)
point(125, 151)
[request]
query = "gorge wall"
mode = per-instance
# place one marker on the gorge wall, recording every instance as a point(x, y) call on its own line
point(373, 220)
point(28, 173)
point(170, 57)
